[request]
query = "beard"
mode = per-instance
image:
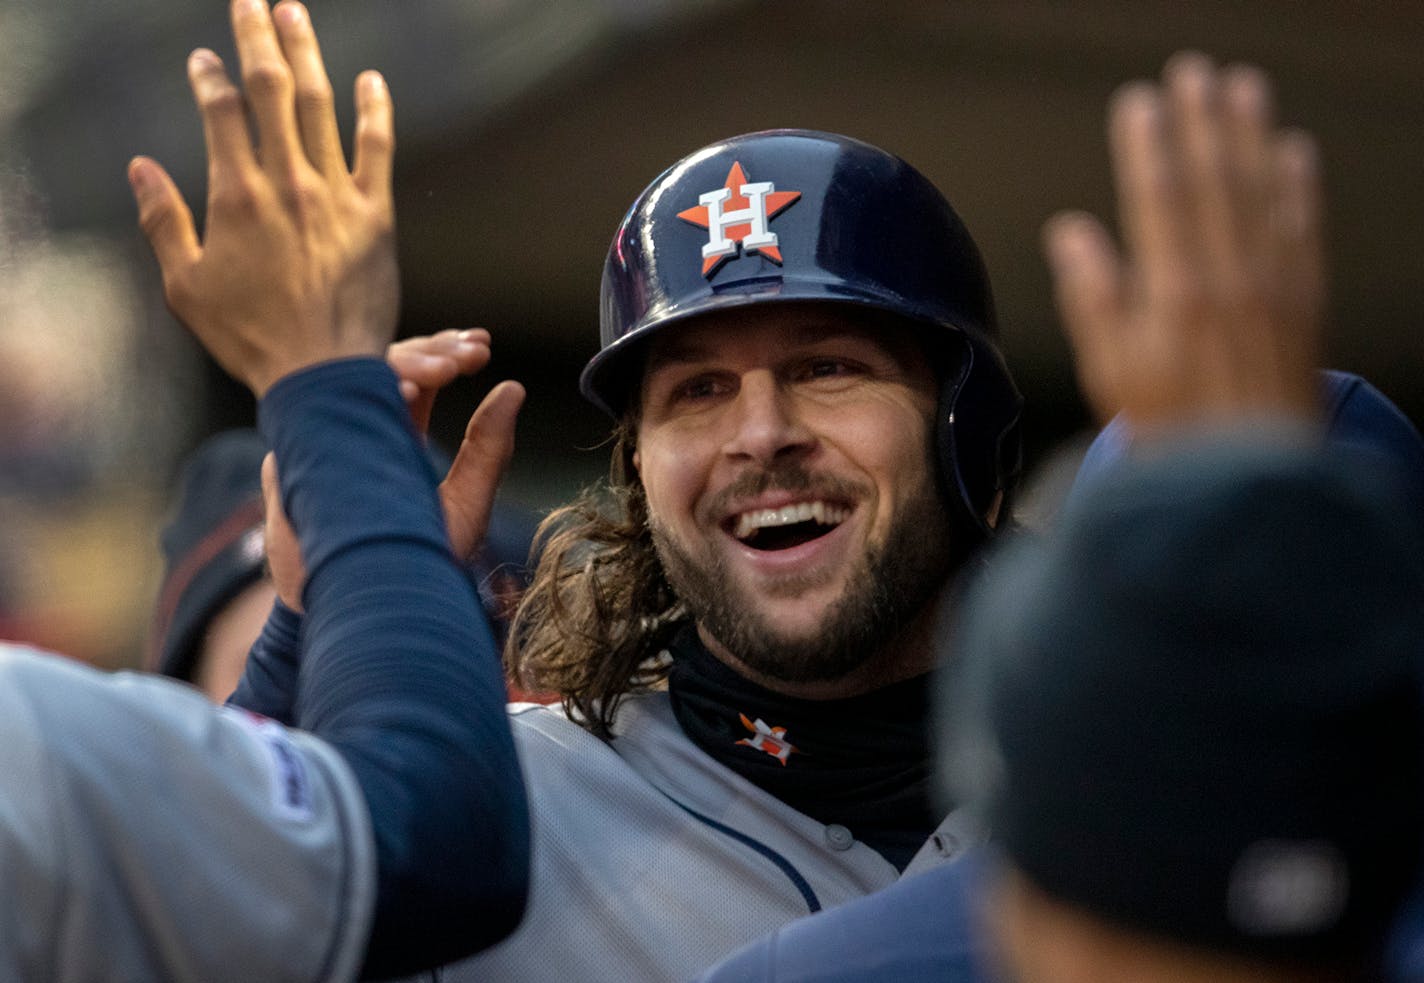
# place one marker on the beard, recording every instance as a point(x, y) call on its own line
point(891, 583)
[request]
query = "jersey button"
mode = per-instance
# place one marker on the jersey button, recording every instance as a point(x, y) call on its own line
point(946, 844)
point(838, 837)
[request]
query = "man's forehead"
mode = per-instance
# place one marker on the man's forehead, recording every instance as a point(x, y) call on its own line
point(779, 325)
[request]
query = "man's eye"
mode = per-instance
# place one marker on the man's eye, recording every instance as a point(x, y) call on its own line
point(702, 387)
point(826, 368)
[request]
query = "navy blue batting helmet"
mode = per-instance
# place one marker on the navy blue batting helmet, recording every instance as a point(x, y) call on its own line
point(797, 215)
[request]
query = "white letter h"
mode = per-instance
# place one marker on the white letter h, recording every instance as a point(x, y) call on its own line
point(754, 213)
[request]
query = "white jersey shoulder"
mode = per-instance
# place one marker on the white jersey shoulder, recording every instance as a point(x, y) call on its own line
point(651, 861)
point(145, 834)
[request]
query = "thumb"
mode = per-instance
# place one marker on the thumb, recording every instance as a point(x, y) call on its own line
point(468, 491)
point(284, 556)
point(163, 215)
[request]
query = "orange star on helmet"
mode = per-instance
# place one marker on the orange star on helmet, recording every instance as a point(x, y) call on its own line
point(736, 217)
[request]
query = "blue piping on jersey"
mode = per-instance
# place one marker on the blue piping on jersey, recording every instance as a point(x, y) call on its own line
point(792, 874)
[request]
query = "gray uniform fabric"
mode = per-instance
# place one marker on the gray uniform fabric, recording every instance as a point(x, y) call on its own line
point(136, 818)
point(651, 861)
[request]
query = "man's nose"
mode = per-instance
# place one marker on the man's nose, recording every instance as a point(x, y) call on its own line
point(766, 424)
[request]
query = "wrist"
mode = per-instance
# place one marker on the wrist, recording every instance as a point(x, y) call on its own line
point(296, 375)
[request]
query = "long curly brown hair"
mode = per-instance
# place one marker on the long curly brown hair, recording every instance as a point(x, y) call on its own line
point(598, 612)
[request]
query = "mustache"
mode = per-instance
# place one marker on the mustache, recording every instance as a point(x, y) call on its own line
point(788, 478)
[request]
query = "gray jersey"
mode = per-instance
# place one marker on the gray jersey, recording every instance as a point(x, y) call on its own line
point(651, 861)
point(147, 835)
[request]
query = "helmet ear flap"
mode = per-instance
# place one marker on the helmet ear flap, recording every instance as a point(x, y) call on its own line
point(978, 433)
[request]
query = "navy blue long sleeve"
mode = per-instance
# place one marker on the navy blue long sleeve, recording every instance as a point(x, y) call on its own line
point(399, 669)
point(269, 678)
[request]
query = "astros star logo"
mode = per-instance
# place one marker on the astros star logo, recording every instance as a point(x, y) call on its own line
point(766, 738)
point(736, 215)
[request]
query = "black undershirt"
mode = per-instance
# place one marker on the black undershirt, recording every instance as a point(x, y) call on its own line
point(862, 762)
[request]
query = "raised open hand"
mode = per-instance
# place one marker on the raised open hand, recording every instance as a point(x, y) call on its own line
point(1212, 312)
point(297, 264)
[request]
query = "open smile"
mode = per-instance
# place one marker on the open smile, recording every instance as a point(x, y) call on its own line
point(786, 526)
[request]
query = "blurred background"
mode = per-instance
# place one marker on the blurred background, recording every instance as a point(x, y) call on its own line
point(525, 129)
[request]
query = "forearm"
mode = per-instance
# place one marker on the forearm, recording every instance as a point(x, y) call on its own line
point(269, 678)
point(399, 670)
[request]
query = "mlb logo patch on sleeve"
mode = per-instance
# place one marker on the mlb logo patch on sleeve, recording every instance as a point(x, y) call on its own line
point(291, 790)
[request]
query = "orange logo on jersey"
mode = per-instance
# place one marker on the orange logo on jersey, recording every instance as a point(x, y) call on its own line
point(736, 216)
point(772, 740)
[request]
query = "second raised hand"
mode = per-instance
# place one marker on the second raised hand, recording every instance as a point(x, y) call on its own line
point(1212, 313)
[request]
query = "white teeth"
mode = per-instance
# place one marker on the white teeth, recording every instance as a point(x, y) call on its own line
point(821, 512)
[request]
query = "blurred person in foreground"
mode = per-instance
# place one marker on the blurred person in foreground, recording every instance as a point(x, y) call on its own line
point(148, 835)
point(1193, 715)
point(1190, 715)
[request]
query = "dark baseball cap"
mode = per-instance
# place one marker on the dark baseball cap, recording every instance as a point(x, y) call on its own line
point(1193, 708)
point(213, 546)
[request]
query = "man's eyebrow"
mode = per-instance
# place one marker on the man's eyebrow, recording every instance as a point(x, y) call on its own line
point(674, 353)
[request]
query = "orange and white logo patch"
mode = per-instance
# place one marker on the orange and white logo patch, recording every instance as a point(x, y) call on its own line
point(736, 217)
point(772, 740)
